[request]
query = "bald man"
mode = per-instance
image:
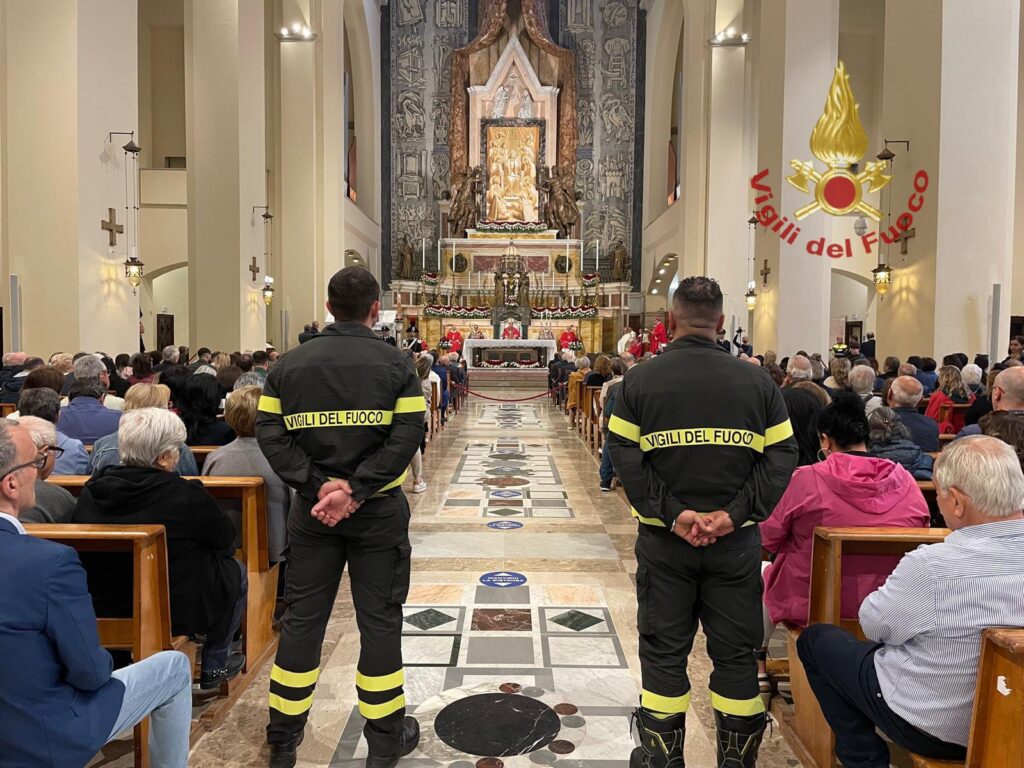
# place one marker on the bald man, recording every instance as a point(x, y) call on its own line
point(1007, 395)
point(904, 395)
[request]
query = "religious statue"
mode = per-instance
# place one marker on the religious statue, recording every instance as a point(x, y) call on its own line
point(525, 105)
point(500, 103)
point(524, 291)
point(463, 211)
point(405, 258)
point(620, 261)
point(547, 333)
point(475, 332)
point(560, 209)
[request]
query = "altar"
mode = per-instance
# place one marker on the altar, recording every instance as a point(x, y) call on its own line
point(509, 353)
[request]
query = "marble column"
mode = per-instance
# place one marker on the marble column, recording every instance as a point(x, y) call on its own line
point(797, 48)
point(974, 196)
point(225, 117)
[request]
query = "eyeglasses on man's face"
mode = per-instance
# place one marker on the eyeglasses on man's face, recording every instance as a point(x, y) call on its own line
point(37, 463)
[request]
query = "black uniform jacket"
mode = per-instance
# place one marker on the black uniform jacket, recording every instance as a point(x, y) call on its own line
point(696, 428)
point(342, 405)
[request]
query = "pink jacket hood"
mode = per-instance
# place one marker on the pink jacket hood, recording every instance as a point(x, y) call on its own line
point(871, 485)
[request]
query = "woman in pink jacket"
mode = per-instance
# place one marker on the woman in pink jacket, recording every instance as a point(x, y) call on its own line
point(847, 488)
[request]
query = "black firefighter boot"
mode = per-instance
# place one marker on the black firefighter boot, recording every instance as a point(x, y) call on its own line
point(661, 741)
point(739, 739)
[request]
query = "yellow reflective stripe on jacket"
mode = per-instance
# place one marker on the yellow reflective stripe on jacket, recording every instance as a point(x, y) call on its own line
point(396, 482)
point(376, 684)
point(269, 404)
point(778, 433)
point(377, 711)
point(289, 707)
point(411, 404)
point(722, 436)
point(294, 679)
point(668, 705)
point(740, 707)
point(623, 428)
point(318, 419)
point(647, 520)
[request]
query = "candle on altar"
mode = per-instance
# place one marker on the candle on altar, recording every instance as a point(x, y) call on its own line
point(438, 255)
point(423, 250)
point(597, 257)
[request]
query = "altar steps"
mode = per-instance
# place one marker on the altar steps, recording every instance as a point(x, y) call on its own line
point(483, 380)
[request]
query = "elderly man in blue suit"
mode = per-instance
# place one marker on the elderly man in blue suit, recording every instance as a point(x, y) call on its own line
point(62, 699)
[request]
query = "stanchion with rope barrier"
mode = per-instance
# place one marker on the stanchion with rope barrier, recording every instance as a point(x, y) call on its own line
point(508, 400)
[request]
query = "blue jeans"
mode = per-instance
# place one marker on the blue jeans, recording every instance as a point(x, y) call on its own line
point(607, 471)
point(161, 687)
point(216, 650)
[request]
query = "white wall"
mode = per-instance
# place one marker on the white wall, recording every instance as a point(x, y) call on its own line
point(170, 296)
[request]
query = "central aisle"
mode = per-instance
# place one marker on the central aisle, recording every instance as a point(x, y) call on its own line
point(514, 492)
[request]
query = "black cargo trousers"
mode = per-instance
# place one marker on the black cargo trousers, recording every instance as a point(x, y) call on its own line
point(374, 543)
point(719, 586)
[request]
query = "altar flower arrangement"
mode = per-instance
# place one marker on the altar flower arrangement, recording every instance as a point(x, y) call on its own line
point(444, 344)
point(461, 313)
point(576, 346)
point(591, 280)
point(563, 313)
point(512, 227)
point(486, 364)
point(430, 279)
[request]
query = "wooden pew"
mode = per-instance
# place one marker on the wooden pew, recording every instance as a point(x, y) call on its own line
point(807, 731)
point(201, 452)
point(997, 723)
point(596, 436)
point(258, 635)
point(148, 629)
point(6, 409)
point(435, 407)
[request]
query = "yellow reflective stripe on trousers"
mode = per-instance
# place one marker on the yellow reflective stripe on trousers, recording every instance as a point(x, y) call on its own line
point(415, 404)
point(669, 705)
point(381, 682)
point(778, 433)
point(289, 707)
point(740, 707)
point(269, 404)
point(722, 436)
point(319, 419)
point(294, 679)
point(377, 711)
point(623, 428)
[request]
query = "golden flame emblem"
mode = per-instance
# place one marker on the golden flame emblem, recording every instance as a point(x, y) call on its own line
point(838, 140)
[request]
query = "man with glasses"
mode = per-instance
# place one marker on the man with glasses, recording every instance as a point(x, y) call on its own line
point(62, 700)
point(1007, 395)
point(53, 503)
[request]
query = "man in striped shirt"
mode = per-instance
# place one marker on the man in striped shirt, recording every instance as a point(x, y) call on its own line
point(914, 679)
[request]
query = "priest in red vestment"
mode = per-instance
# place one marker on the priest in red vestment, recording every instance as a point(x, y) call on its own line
point(454, 337)
point(636, 347)
point(659, 337)
point(567, 337)
point(510, 331)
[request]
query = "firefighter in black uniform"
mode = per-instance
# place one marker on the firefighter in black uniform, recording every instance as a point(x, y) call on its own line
point(703, 446)
point(340, 420)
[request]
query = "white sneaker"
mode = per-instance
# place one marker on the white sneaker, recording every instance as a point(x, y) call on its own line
point(419, 487)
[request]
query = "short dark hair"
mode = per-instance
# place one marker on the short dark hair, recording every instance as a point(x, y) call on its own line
point(31, 363)
point(78, 355)
point(844, 420)
point(245, 362)
point(351, 294)
point(42, 402)
point(122, 360)
point(46, 377)
point(698, 298)
point(259, 357)
point(928, 364)
point(204, 351)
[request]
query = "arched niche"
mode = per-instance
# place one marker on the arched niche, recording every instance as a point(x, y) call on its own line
point(361, 53)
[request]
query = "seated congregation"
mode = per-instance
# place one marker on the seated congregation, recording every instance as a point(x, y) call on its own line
point(164, 601)
point(889, 640)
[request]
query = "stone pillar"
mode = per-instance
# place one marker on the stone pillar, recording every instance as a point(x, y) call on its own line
point(224, 138)
point(797, 50)
point(974, 198)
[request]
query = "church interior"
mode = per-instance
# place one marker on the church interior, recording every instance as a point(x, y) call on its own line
point(533, 185)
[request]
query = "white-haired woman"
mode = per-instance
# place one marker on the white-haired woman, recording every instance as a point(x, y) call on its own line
point(208, 586)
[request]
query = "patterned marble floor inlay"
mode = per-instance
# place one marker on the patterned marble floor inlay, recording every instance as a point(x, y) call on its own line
point(540, 673)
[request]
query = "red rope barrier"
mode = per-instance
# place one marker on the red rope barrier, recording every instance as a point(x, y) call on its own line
point(512, 400)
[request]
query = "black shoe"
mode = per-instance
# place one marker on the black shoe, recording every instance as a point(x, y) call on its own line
point(661, 741)
point(215, 678)
point(606, 488)
point(284, 755)
point(739, 738)
point(410, 738)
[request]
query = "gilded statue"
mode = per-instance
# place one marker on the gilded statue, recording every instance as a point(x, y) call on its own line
point(406, 257)
point(560, 209)
point(463, 212)
point(620, 262)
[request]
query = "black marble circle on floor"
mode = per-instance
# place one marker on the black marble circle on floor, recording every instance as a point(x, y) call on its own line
point(497, 725)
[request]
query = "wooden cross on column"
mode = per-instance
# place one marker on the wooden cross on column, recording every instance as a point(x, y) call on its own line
point(765, 271)
point(903, 237)
point(255, 270)
point(111, 226)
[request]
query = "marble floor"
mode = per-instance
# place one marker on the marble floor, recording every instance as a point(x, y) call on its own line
point(521, 609)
